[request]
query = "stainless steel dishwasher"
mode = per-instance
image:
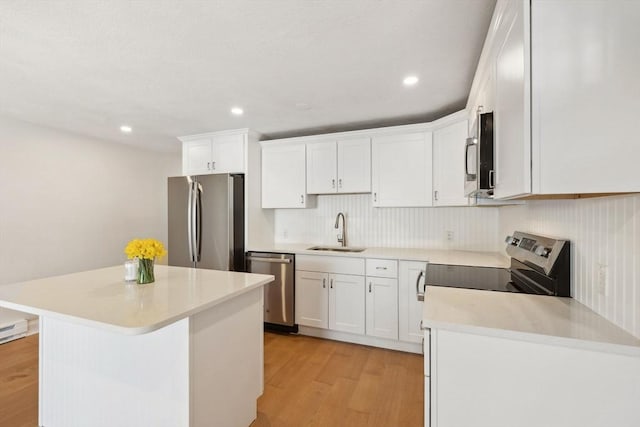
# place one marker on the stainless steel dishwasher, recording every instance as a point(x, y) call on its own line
point(279, 300)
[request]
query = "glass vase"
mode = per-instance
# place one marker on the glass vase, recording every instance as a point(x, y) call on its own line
point(145, 271)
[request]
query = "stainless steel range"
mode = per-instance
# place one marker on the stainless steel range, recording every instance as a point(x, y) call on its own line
point(539, 265)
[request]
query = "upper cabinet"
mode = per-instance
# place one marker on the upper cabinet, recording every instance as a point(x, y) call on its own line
point(216, 152)
point(561, 78)
point(448, 163)
point(339, 167)
point(354, 165)
point(284, 176)
point(401, 169)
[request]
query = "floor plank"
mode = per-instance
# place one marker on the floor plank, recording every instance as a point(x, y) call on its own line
point(308, 382)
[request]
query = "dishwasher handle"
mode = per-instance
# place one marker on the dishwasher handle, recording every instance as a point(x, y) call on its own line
point(271, 260)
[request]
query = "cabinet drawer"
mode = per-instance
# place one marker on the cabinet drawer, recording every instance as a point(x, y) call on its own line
point(330, 264)
point(382, 268)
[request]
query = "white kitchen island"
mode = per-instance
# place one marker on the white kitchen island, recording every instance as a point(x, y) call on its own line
point(186, 350)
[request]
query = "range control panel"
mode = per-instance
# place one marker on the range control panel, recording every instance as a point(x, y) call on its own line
point(530, 245)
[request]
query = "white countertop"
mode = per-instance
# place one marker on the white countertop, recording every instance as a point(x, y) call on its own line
point(434, 256)
point(102, 299)
point(534, 318)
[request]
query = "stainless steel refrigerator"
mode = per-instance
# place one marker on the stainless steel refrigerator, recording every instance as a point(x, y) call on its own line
point(206, 221)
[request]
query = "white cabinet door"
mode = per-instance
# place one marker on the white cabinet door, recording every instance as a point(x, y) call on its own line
point(346, 303)
point(410, 309)
point(382, 307)
point(284, 176)
point(401, 170)
point(448, 165)
point(354, 165)
point(512, 113)
point(321, 168)
point(228, 154)
point(196, 156)
point(312, 299)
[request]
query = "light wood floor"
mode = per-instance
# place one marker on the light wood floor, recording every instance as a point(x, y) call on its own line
point(19, 383)
point(308, 382)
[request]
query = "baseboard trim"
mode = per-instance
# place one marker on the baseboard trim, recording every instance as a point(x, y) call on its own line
point(408, 347)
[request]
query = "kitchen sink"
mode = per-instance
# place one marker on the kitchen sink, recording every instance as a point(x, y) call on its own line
point(336, 248)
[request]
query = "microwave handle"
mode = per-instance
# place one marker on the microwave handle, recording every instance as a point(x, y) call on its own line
point(470, 142)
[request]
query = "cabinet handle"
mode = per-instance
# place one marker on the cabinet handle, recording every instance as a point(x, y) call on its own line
point(435, 195)
point(492, 178)
point(369, 287)
point(213, 165)
point(381, 268)
point(324, 283)
point(420, 295)
point(333, 183)
point(208, 166)
point(375, 197)
point(340, 183)
point(302, 199)
point(331, 283)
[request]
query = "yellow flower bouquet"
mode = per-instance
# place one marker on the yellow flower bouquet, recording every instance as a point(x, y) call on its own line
point(146, 251)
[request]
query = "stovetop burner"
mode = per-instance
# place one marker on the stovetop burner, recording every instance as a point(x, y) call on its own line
point(461, 276)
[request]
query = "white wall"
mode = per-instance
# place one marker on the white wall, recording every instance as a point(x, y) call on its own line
point(604, 232)
point(70, 203)
point(473, 228)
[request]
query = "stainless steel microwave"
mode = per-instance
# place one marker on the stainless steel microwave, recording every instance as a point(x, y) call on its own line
point(479, 172)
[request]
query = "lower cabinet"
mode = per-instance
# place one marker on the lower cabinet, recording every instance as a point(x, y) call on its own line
point(382, 307)
point(312, 299)
point(327, 298)
point(411, 275)
point(372, 298)
point(535, 384)
point(346, 303)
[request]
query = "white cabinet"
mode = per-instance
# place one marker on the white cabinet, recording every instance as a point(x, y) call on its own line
point(346, 303)
point(562, 85)
point(401, 170)
point(536, 384)
point(339, 167)
point(512, 107)
point(330, 293)
point(411, 278)
point(222, 152)
point(284, 176)
point(382, 298)
point(382, 307)
point(448, 164)
point(312, 299)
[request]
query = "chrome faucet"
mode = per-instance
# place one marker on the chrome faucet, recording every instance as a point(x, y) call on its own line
point(342, 238)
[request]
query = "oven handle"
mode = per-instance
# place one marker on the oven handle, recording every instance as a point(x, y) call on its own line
point(271, 260)
point(470, 142)
point(420, 295)
point(530, 282)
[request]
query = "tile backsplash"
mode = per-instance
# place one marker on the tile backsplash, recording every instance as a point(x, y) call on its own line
point(605, 245)
point(469, 228)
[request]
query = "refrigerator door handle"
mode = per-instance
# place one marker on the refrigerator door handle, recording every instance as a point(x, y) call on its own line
point(197, 237)
point(190, 221)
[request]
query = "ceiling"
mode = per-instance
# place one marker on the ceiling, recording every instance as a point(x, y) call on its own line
point(172, 68)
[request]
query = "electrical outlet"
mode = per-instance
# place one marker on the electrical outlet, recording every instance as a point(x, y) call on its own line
point(602, 280)
point(449, 234)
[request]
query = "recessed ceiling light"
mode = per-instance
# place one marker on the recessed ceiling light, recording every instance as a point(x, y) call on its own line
point(125, 129)
point(237, 111)
point(410, 80)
